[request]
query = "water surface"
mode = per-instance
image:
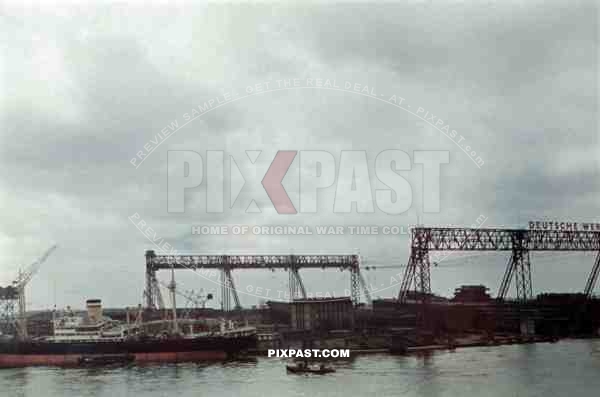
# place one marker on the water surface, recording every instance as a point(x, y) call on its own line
point(567, 368)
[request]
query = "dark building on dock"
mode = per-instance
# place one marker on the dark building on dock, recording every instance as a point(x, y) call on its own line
point(472, 293)
point(322, 314)
point(280, 312)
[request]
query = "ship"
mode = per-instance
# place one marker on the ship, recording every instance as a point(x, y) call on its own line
point(79, 340)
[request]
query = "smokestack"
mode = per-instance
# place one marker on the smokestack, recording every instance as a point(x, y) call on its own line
point(94, 310)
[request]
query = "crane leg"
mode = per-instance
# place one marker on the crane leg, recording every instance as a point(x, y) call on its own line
point(591, 282)
point(508, 273)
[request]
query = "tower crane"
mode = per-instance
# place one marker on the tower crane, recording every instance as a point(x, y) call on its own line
point(24, 277)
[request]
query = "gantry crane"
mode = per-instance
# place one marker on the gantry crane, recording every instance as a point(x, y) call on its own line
point(519, 241)
point(24, 277)
point(227, 262)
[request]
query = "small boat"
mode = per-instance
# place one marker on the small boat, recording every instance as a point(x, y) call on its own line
point(305, 369)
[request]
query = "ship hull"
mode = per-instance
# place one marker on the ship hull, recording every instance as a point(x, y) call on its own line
point(24, 354)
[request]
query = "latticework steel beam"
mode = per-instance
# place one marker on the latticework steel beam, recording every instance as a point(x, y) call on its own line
point(293, 263)
point(508, 274)
point(365, 288)
point(355, 287)
point(152, 294)
point(417, 275)
point(519, 241)
point(159, 261)
point(423, 276)
point(407, 280)
point(522, 275)
point(297, 290)
point(8, 311)
point(357, 282)
point(591, 282)
point(225, 295)
point(156, 294)
point(229, 287)
point(470, 239)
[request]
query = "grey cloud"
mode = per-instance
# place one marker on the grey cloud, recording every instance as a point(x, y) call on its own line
point(518, 82)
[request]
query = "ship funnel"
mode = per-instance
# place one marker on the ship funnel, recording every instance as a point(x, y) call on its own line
point(94, 310)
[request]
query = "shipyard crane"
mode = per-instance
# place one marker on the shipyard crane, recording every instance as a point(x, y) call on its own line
point(24, 277)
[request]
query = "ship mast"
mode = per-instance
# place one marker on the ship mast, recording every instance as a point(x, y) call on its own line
point(173, 293)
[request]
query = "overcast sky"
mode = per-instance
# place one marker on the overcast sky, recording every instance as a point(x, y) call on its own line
point(82, 90)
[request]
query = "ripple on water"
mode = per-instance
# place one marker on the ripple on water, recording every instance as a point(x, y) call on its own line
point(567, 368)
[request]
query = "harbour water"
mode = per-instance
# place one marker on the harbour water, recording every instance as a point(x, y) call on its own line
point(567, 368)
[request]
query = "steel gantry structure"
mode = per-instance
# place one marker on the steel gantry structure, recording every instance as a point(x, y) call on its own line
point(519, 241)
point(227, 263)
point(13, 304)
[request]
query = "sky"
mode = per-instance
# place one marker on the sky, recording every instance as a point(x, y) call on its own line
point(84, 89)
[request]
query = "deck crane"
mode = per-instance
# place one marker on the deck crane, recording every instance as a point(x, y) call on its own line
point(24, 277)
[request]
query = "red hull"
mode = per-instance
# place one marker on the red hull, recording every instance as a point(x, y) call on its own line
point(27, 360)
